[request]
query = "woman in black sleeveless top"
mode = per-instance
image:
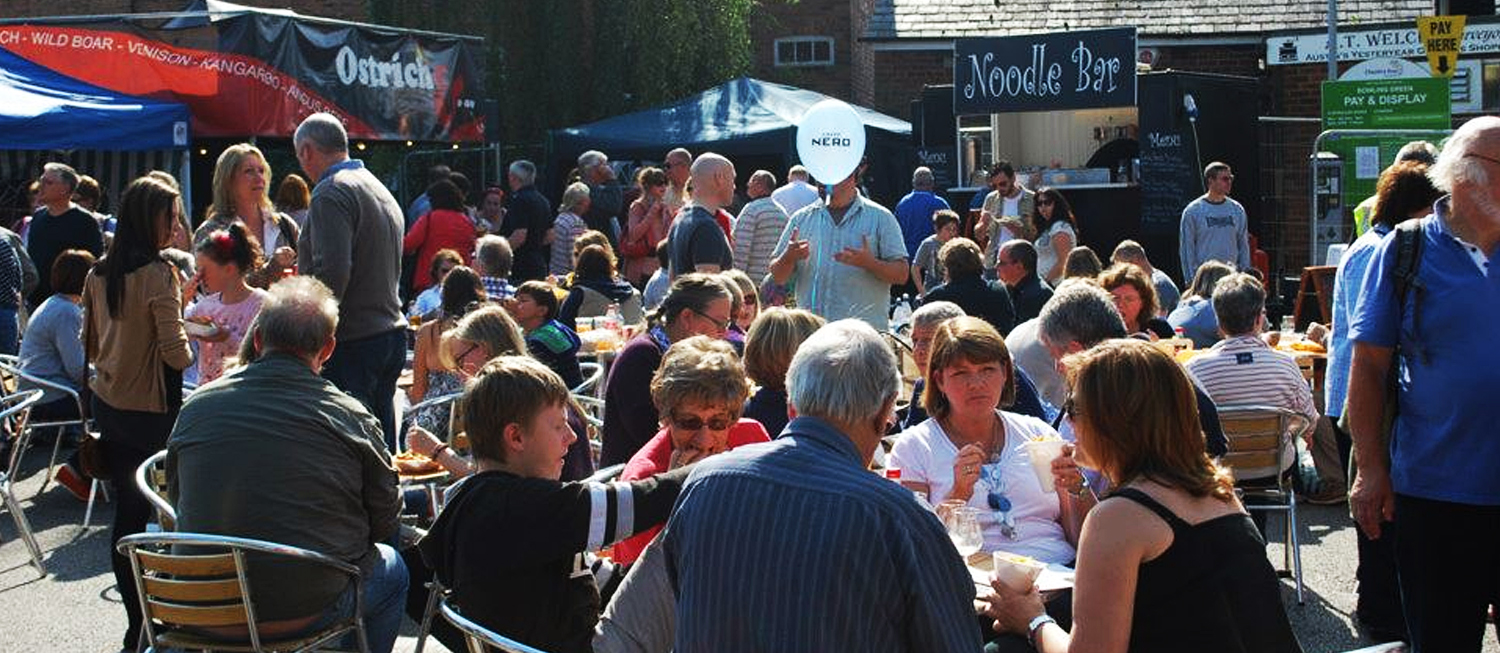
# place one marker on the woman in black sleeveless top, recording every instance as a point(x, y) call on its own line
point(1170, 561)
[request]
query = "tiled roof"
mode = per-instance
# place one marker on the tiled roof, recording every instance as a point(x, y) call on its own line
point(941, 19)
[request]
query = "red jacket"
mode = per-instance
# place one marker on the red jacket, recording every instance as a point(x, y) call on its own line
point(654, 458)
point(438, 229)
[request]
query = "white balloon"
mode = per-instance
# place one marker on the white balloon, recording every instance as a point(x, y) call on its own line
point(831, 141)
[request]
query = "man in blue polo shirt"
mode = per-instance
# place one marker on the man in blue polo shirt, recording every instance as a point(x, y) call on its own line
point(914, 211)
point(1438, 478)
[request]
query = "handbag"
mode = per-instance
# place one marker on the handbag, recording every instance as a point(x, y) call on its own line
point(92, 458)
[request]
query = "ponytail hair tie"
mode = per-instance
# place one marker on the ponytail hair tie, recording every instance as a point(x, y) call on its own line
point(223, 244)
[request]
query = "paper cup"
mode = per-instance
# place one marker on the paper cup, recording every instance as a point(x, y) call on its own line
point(1042, 453)
point(1018, 573)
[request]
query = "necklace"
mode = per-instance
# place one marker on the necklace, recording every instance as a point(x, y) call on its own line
point(992, 477)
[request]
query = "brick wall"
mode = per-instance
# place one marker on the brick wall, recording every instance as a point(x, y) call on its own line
point(903, 74)
point(849, 78)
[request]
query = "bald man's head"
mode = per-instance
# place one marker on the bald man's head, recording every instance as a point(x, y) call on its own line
point(713, 181)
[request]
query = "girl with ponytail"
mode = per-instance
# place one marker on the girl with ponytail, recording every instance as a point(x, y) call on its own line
point(226, 257)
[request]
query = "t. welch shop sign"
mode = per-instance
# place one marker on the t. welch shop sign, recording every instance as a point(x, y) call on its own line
point(1045, 72)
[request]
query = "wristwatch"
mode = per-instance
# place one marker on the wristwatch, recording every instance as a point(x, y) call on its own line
point(1036, 625)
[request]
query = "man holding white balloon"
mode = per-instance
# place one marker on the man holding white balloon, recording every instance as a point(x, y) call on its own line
point(841, 254)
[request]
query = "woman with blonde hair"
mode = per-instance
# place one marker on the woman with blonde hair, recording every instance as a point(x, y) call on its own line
point(241, 180)
point(1173, 536)
point(769, 346)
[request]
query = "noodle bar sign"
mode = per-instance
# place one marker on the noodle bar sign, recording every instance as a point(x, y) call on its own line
point(1088, 69)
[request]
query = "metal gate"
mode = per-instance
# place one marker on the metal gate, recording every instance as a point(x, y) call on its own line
point(482, 165)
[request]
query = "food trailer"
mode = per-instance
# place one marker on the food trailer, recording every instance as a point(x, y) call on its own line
point(1072, 111)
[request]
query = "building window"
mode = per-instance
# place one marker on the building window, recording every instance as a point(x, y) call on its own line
point(804, 51)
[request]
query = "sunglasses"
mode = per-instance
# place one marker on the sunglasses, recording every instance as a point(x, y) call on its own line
point(694, 423)
point(1070, 409)
point(1045, 202)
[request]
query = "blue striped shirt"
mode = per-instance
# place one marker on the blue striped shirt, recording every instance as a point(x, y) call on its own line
point(793, 545)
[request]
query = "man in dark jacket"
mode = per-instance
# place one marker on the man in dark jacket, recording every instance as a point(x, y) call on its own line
point(606, 198)
point(963, 266)
point(528, 224)
point(1016, 267)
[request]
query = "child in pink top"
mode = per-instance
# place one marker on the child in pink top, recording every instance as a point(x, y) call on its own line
point(224, 260)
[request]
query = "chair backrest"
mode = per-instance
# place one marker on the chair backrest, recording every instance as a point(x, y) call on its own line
point(593, 418)
point(11, 376)
point(202, 581)
point(454, 422)
point(151, 480)
point(1258, 436)
point(593, 373)
point(15, 408)
point(478, 637)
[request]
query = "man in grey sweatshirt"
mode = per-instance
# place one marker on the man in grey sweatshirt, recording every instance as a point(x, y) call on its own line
point(1214, 226)
point(352, 243)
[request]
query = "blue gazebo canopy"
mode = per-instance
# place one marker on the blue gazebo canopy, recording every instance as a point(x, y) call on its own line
point(43, 110)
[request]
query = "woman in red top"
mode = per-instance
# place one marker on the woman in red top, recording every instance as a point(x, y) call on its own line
point(446, 226)
point(699, 390)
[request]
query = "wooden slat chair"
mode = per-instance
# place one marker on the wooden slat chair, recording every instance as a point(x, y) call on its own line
point(193, 581)
point(1258, 437)
point(481, 639)
point(14, 409)
point(151, 480)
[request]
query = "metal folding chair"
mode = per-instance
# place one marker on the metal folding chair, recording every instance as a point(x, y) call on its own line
point(479, 637)
point(435, 595)
point(1258, 438)
point(14, 409)
point(189, 581)
point(151, 481)
point(10, 368)
point(593, 375)
point(430, 402)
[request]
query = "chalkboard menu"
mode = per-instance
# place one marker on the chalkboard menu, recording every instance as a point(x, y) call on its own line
point(1170, 174)
point(1085, 69)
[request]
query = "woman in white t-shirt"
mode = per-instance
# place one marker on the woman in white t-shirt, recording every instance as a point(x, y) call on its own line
point(1057, 233)
point(971, 451)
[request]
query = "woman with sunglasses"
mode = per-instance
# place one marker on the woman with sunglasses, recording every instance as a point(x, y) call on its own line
point(1172, 535)
point(430, 376)
point(696, 305)
point(1057, 233)
point(699, 392)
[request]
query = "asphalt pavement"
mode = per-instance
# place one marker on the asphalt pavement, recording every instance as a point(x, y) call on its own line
point(75, 608)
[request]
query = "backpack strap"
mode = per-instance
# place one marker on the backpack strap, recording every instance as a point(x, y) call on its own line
point(1409, 245)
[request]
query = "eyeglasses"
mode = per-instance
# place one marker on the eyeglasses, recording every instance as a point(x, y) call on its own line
point(1482, 157)
point(695, 423)
point(722, 325)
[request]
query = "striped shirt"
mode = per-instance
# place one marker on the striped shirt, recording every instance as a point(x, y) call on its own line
point(755, 234)
point(1244, 370)
point(793, 546)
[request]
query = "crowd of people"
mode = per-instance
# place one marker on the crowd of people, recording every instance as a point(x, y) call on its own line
point(762, 380)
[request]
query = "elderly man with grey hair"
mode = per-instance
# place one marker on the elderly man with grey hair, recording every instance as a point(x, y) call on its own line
point(1435, 476)
point(249, 450)
point(758, 226)
point(1242, 369)
point(58, 225)
point(1080, 316)
point(924, 324)
point(494, 260)
point(678, 164)
point(606, 196)
point(696, 242)
point(760, 544)
point(796, 193)
point(352, 243)
point(528, 223)
point(914, 212)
